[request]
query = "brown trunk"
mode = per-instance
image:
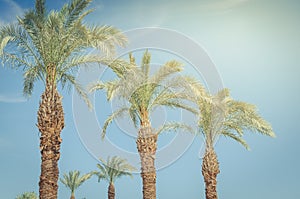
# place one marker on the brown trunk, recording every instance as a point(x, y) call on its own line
point(111, 191)
point(50, 124)
point(210, 170)
point(72, 196)
point(147, 145)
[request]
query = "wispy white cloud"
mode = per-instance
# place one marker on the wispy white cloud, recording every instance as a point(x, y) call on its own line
point(12, 99)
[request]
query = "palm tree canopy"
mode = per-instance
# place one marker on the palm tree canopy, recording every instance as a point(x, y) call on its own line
point(73, 180)
point(144, 91)
point(27, 195)
point(112, 169)
point(221, 115)
point(57, 38)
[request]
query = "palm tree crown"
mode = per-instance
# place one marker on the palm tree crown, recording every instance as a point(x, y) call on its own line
point(73, 180)
point(27, 195)
point(145, 92)
point(58, 39)
point(112, 169)
point(221, 115)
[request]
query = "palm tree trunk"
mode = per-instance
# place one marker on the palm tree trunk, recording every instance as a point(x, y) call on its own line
point(72, 196)
point(210, 170)
point(111, 191)
point(147, 145)
point(50, 124)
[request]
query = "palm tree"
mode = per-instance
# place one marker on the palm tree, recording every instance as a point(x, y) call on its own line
point(111, 170)
point(73, 180)
point(27, 195)
point(50, 46)
point(221, 115)
point(144, 93)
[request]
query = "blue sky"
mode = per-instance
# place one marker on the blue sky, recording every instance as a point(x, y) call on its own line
point(255, 46)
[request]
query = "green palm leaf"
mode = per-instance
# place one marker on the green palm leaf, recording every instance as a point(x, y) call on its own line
point(113, 168)
point(145, 92)
point(221, 115)
point(73, 180)
point(58, 38)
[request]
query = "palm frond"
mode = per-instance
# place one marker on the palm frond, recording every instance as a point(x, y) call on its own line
point(145, 66)
point(114, 115)
point(75, 9)
point(84, 178)
point(30, 77)
point(73, 180)
point(174, 126)
point(120, 67)
point(114, 168)
point(236, 138)
point(131, 59)
point(194, 90)
point(14, 61)
point(165, 71)
point(105, 38)
point(246, 115)
point(74, 61)
point(177, 104)
point(100, 174)
point(220, 115)
point(34, 25)
point(111, 87)
point(40, 8)
point(13, 34)
point(4, 43)
point(134, 115)
point(67, 78)
point(98, 85)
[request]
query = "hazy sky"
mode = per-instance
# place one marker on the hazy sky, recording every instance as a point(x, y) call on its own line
point(255, 46)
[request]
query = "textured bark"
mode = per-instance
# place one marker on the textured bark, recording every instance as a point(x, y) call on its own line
point(50, 124)
point(147, 145)
point(210, 170)
point(111, 191)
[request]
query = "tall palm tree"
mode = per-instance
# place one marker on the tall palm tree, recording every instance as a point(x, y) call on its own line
point(221, 115)
point(50, 46)
point(144, 93)
point(27, 195)
point(111, 170)
point(73, 180)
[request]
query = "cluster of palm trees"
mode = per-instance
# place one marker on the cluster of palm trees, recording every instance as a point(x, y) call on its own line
point(216, 115)
point(109, 171)
point(51, 46)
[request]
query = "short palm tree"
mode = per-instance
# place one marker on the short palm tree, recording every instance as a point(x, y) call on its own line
point(143, 93)
point(49, 47)
point(27, 195)
point(73, 180)
point(221, 115)
point(111, 170)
